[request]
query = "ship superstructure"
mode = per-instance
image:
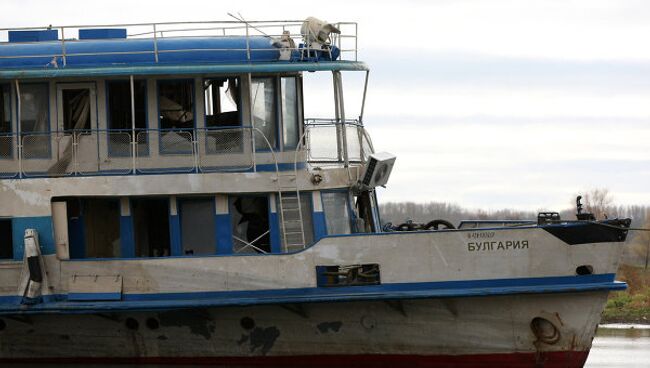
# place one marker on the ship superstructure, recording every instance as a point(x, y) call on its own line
point(163, 197)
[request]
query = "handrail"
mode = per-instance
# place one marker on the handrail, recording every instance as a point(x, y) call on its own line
point(200, 150)
point(160, 30)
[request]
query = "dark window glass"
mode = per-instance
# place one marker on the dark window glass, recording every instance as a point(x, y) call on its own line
point(119, 104)
point(176, 104)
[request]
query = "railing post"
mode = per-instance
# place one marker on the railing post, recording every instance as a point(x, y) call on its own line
point(65, 58)
point(155, 43)
point(248, 45)
point(340, 115)
point(249, 77)
point(19, 130)
point(134, 143)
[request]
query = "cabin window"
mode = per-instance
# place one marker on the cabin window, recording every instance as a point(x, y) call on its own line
point(197, 226)
point(6, 239)
point(264, 112)
point(222, 102)
point(292, 227)
point(364, 204)
point(290, 112)
point(119, 115)
point(176, 109)
point(337, 215)
point(101, 221)
point(5, 122)
point(76, 108)
point(151, 227)
point(34, 120)
point(250, 224)
point(34, 109)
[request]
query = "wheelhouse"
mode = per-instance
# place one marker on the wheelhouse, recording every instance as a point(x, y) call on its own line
point(170, 139)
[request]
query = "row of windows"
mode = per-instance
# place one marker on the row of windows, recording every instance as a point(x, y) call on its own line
point(274, 100)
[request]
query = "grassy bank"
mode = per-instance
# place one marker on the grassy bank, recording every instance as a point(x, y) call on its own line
point(633, 304)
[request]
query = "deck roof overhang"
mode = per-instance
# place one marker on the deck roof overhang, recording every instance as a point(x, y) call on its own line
point(185, 69)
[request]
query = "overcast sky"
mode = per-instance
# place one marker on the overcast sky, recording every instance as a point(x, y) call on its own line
point(487, 104)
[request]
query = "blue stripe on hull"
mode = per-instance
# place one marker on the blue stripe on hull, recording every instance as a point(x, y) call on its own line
point(422, 290)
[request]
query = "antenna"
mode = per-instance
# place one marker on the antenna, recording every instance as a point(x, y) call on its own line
point(241, 19)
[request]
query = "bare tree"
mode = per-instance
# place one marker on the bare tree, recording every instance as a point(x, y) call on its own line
point(599, 202)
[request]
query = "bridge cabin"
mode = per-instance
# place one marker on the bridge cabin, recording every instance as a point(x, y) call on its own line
point(177, 140)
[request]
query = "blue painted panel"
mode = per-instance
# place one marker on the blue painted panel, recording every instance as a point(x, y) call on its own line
point(320, 226)
point(77, 237)
point(140, 51)
point(274, 227)
point(33, 36)
point(223, 224)
point(41, 224)
point(419, 290)
point(127, 237)
point(94, 296)
point(183, 69)
point(175, 235)
point(102, 33)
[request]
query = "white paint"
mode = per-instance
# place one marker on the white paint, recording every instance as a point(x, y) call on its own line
point(221, 204)
point(173, 206)
point(125, 206)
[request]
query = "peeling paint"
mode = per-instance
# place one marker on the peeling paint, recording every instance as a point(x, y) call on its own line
point(326, 327)
point(197, 323)
point(260, 339)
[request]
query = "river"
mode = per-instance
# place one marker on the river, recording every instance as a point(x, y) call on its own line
point(620, 346)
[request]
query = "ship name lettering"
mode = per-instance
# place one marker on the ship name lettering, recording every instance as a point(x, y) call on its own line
point(497, 245)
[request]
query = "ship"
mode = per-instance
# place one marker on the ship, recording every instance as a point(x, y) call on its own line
point(165, 199)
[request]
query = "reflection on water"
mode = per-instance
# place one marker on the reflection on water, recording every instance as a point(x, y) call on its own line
point(620, 347)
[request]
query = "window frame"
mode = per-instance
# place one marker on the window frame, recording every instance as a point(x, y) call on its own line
point(192, 130)
point(108, 83)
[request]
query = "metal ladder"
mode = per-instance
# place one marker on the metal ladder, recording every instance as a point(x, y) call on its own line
point(293, 231)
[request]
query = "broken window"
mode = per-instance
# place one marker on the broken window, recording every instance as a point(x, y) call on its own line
point(264, 112)
point(197, 226)
point(6, 239)
point(151, 227)
point(119, 115)
point(176, 104)
point(250, 224)
point(222, 102)
point(176, 109)
point(337, 215)
point(76, 109)
point(364, 202)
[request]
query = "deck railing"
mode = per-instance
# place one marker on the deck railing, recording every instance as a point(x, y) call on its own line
point(346, 41)
point(153, 151)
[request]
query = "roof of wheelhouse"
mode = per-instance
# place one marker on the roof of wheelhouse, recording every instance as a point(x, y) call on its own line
point(46, 53)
